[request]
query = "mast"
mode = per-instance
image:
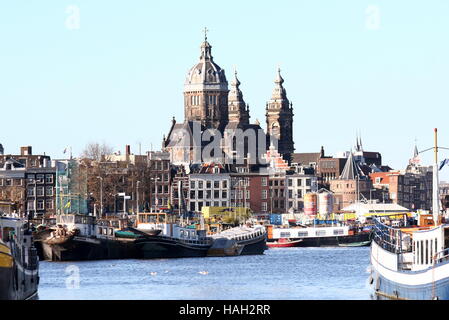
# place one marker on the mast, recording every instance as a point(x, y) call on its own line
point(435, 193)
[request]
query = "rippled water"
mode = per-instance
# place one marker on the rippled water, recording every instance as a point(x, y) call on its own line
point(281, 273)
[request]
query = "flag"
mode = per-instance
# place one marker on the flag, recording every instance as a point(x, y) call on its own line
point(443, 163)
point(68, 204)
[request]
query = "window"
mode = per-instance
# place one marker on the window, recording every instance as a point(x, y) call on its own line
point(49, 191)
point(192, 194)
point(200, 184)
point(290, 182)
point(30, 192)
point(31, 178)
point(40, 191)
point(308, 182)
point(8, 182)
point(224, 194)
point(40, 205)
point(40, 178)
point(299, 182)
point(303, 234)
point(18, 182)
point(208, 184)
point(192, 184)
point(290, 194)
point(338, 232)
point(264, 194)
point(264, 182)
point(200, 194)
point(264, 206)
point(224, 184)
point(248, 194)
point(49, 178)
point(216, 195)
point(31, 205)
point(49, 204)
point(217, 184)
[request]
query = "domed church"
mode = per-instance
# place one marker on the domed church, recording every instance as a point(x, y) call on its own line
point(212, 109)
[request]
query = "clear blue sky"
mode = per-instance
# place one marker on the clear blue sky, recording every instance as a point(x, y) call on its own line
point(119, 77)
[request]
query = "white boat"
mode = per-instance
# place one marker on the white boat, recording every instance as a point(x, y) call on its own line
point(411, 262)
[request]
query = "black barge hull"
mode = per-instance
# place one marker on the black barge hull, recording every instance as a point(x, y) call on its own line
point(88, 249)
point(154, 247)
point(335, 241)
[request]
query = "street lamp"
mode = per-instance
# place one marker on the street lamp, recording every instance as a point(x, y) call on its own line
point(137, 187)
point(101, 195)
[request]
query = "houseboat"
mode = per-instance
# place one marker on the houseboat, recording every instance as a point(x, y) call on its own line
point(19, 263)
point(411, 260)
point(163, 237)
point(82, 237)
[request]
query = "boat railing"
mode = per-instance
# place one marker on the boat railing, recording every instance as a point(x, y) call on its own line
point(389, 238)
point(201, 241)
point(441, 256)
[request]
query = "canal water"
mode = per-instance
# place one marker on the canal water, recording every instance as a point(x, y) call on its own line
point(281, 273)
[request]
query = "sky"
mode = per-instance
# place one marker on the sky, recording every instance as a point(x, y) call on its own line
point(81, 71)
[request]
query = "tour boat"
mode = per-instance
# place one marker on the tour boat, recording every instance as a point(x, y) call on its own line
point(411, 261)
point(19, 263)
point(320, 235)
point(284, 243)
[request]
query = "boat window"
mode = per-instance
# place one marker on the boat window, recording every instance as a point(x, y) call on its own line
point(99, 230)
point(7, 233)
point(415, 252)
point(338, 231)
point(427, 251)
point(285, 234)
point(321, 233)
point(436, 246)
point(421, 255)
point(303, 233)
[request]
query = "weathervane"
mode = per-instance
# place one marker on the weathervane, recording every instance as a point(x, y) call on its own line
point(205, 33)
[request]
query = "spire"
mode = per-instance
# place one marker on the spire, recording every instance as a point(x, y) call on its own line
point(351, 170)
point(206, 48)
point(237, 109)
point(279, 79)
point(279, 92)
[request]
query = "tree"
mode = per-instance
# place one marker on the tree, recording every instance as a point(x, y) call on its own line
point(95, 151)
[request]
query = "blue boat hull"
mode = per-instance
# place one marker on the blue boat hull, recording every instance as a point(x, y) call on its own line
point(386, 289)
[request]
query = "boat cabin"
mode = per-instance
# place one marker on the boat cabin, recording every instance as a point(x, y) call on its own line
point(411, 247)
point(84, 223)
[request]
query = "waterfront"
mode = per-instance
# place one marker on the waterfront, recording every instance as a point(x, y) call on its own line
point(281, 273)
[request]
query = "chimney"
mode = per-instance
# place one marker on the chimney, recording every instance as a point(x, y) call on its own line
point(128, 150)
point(26, 151)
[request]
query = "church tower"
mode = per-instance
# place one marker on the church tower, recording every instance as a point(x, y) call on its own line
point(279, 115)
point(206, 91)
point(237, 108)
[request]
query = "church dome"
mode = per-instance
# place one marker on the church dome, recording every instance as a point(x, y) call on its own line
point(206, 74)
